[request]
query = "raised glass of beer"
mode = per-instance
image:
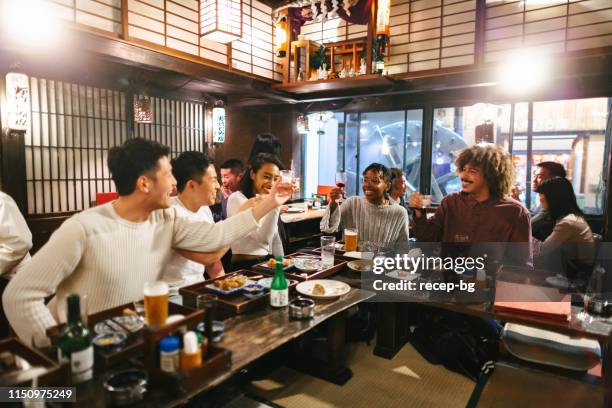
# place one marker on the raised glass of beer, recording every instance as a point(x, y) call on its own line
point(350, 239)
point(156, 303)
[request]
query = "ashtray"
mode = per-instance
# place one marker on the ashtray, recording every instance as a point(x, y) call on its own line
point(126, 387)
point(302, 308)
point(109, 341)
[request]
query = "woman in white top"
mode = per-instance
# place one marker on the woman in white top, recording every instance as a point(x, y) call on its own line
point(571, 241)
point(265, 240)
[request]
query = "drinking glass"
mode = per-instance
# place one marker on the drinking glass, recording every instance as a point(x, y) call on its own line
point(341, 182)
point(156, 303)
point(286, 176)
point(139, 308)
point(327, 250)
point(208, 303)
point(426, 200)
point(350, 239)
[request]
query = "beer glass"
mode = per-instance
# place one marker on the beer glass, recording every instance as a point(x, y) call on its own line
point(156, 303)
point(350, 239)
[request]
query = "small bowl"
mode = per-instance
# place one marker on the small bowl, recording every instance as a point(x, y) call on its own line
point(126, 387)
point(109, 341)
point(218, 330)
point(307, 263)
point(253, 290)
point(302, 308)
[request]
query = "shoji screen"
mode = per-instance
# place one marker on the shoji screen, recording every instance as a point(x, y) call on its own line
point(101, 14)
point(73, 127)
point(431, 34)
point(253, 53)
point(554, 26)
point(177, 124)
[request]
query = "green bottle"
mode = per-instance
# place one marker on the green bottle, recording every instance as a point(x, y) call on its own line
point(75, 346)
point(279, 290)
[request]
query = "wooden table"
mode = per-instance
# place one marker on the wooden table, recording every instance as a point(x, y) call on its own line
point(253, 335)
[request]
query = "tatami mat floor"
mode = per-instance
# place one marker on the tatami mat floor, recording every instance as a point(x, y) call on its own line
point(407, 381)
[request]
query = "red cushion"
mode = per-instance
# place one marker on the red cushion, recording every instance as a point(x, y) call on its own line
point(102, 198)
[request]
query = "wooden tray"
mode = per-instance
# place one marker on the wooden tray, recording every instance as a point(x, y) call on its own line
point(55, 374)
point(134, 345)
point(232, 304)
point(339, 266)
point(213, 364)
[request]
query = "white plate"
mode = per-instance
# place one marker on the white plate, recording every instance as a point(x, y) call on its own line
point(409, 276)
point(333, 288)
point(292, 210)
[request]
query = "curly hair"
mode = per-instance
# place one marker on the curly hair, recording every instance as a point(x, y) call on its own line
point(495, 164)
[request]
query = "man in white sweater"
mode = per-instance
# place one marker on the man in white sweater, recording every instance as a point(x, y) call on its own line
point(108, 252)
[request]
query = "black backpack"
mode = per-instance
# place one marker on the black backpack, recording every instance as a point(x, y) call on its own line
point(464, 344)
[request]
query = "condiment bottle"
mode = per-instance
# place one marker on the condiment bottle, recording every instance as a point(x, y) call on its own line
point(191, 356)
point(169, 354)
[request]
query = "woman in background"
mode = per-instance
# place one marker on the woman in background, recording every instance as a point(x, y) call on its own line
point(571, 237)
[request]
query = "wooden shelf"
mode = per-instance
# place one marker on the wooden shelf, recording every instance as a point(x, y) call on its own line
point(339, 84)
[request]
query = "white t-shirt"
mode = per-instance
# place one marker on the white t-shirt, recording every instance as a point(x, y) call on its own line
point(180, 268)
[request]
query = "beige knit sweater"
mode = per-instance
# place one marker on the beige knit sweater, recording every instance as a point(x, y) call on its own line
point(107, 258)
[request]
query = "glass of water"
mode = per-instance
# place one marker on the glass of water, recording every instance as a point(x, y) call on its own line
point(327, 250)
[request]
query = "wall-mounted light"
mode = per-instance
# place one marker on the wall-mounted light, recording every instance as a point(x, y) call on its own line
point(221, 20)
point(143, 112)
point(302, 124)
point(218, 122)
point(17, 101)
point(280, 37)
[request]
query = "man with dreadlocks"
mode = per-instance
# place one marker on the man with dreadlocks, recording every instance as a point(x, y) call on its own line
point(482, 212)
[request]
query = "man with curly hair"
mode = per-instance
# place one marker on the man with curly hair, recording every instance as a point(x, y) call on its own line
point(482, 211)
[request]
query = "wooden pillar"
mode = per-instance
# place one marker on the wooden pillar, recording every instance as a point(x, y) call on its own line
point(287, 58)
point(371, 36)
point(125, 31)
point(481, 18)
